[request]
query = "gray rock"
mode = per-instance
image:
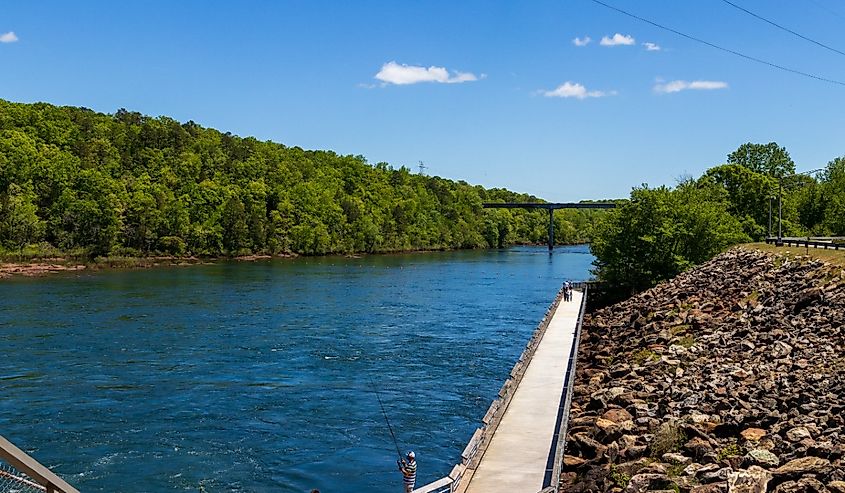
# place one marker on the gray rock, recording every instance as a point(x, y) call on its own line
point(836, 486)
point(713, 476)
point(675, 458)
point(710, 488)
point(781, 350)
point(755, 479)
point(797, 434)
point(803, 485)
point(641, 483)
point(797, 467)
point(762, 457)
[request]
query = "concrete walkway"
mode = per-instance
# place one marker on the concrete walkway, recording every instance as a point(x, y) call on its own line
point(515, 461)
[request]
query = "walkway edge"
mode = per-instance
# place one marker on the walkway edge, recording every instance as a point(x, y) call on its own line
point(562, 426)
point(474, 451)
point(500, 405)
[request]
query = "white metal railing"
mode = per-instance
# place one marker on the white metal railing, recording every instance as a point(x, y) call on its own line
point(36, 476)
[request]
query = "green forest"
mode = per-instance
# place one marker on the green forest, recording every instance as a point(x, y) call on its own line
point(662, 231)
point(89, 184)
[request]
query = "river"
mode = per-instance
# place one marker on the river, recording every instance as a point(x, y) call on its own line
point(257, 376)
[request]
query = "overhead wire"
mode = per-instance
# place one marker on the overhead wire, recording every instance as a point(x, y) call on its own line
point(738, 7)
point(721, 48)
point(830, 10)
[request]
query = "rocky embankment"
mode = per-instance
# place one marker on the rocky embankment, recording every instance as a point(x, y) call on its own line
point(34, 269)
point(729, 378)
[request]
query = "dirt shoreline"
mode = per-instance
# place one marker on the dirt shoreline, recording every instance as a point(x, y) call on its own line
point(54, 265)
point(48, 266)
point(34, 269)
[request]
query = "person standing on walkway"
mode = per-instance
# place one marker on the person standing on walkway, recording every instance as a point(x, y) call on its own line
point(409, 471)
point(567, 291)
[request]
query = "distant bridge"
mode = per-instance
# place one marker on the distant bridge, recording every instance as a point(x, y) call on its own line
point(551, 208)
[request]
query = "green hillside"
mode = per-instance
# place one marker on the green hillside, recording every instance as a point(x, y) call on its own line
point(99, 184)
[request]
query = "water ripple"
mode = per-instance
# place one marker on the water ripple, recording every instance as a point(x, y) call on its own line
point(256, 376)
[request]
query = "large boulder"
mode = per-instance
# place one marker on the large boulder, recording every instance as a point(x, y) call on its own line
point(755, 479)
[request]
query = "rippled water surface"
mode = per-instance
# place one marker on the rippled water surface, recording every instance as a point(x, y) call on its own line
point(257, 376)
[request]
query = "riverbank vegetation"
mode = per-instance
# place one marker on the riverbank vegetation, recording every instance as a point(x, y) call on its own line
point(663, 231)
point(78, 183)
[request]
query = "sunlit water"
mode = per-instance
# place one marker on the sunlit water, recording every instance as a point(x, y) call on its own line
point(257, 376)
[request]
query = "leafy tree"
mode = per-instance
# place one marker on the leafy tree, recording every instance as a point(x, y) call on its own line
point(88, 215)
point(18, 154)
point(19, 221)
point(661, 232)
point(833, 197)
point(748, 195)
point(768, 159)
point(235, 229)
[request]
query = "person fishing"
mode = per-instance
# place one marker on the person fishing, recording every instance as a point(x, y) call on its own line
point(408, 467)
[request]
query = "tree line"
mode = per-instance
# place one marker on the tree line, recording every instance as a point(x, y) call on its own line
point(662, 231)
point(125, 184)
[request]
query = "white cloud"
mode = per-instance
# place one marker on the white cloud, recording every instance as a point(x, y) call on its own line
point(9, 37)
point(401, 74)
point(574, 90)
point(617, 39)
point(581, 41)
point(682, 85)
point(651, 46)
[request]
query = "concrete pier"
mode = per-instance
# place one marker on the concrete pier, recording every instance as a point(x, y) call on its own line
point(516, 459)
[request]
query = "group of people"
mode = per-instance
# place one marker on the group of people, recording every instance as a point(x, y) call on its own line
point(567, 291)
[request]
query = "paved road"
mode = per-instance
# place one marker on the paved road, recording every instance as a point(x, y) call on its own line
point(515, 461)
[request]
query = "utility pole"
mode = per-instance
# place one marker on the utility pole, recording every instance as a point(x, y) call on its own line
point(780, 210)
point(770, 217)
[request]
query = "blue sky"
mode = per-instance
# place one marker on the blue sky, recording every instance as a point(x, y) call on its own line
point(489, 78)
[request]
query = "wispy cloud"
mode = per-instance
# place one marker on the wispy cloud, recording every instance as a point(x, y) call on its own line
point(401, 74)
point(651, 46)
point(575, 90)
point(682, 85)
point(617, 39)
point(9, 37)
point(581, 41)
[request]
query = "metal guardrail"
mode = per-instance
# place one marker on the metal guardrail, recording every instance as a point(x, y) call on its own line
point(828, 242)
point(474, 451)
point(37, 476)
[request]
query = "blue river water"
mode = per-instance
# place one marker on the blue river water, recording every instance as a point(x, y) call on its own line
point(257, 376)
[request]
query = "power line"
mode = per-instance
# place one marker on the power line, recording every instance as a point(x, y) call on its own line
point(726, 50)
point(783, 28)
point(830, 10)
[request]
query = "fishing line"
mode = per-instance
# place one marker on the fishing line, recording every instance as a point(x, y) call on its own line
point(384, 413)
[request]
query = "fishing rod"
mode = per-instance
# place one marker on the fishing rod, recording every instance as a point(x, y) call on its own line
point(384, 413)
